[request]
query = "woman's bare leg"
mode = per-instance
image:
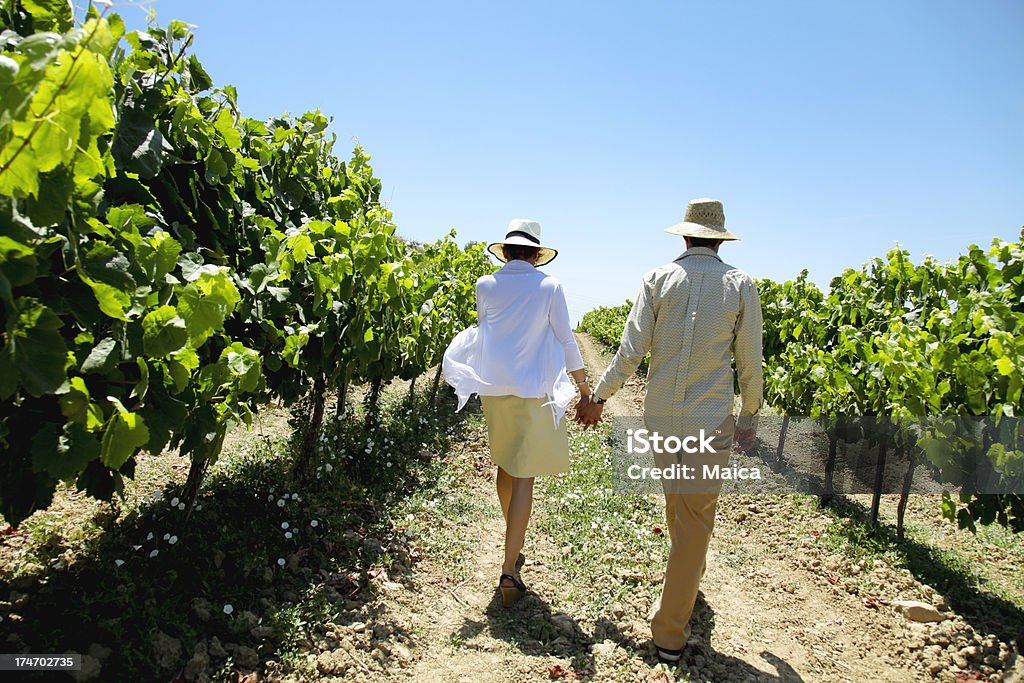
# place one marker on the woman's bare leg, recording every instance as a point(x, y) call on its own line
point(504, 491)
point(519, 507)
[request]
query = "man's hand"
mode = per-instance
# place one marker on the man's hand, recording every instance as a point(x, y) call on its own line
point(588, 413)
point(745, 438)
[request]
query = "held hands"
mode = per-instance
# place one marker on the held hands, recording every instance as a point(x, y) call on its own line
point(588, 413)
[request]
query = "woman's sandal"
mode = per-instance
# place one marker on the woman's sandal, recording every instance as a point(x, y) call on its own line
point(670, 657)
point(511, 594)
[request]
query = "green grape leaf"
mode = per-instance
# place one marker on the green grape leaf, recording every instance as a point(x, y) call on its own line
point(245, 365)
point(107, 265)
point(191, 266)
point(18, 266)
point(50, 15)
point(65, 457)
point(225, 125)
point(102, 358)
point(74, 400)
point(48, 135)
point(142, 386)
point(8, 71)
point(96, 418)
point(293, 346)
point(300, 246)
point(163, 332)
point(205, 303)
point(139, 146)
point(216, 167)
point(34, 353)
point(200, 79)
point(105, 34)
point(126, 432)
point(128, 218)
point(179, 375)
point(49, 206)
point(181, 366)
point(111, 300)
point(157, 255)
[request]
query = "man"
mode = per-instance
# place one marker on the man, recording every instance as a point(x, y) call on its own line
point(694, 315)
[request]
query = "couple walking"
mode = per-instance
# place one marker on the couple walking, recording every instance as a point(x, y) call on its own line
point(694, 316)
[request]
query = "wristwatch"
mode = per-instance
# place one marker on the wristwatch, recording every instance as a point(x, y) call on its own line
point(594, 399)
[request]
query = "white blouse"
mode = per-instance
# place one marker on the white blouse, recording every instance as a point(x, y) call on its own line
point(523, 344)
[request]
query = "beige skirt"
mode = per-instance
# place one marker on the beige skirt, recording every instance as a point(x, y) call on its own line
point(523, 438)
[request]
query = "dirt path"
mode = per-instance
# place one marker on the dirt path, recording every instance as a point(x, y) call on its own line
point(463, 634)
point(765, 619)
point(456, 612)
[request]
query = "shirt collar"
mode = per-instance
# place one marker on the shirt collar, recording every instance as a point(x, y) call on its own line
point(699, 251)
point(518, 266)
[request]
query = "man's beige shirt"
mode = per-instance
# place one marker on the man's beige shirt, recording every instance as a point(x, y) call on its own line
point(694, 316)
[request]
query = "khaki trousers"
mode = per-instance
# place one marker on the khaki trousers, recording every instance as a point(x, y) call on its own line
point(690, 518)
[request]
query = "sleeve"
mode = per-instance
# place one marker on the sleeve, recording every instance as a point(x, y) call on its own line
point(479, 304)
point(637, 337)
point(747, 352)
point(558, 317)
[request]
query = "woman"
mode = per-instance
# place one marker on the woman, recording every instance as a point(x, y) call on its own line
point(518, 359)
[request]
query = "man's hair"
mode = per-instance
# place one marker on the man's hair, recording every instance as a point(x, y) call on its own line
point(704, 242)
point(518, 251)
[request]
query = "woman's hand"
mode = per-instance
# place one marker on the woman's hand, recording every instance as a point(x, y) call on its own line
point(588, 413)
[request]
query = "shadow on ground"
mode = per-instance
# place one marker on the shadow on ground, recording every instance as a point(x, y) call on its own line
point(536, 631)
point(983, 610)
point(262, 561)
point(963, 589)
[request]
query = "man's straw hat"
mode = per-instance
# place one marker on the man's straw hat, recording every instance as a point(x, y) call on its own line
point(704, 218)
point(526, 233)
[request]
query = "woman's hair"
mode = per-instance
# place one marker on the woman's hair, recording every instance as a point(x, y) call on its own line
point(519, 252)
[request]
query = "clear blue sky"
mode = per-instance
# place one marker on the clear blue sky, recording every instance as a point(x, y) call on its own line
point(830, 130)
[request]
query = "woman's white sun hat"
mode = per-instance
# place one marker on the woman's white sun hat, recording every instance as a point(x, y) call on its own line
point(704, 218)
point(526, 233)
